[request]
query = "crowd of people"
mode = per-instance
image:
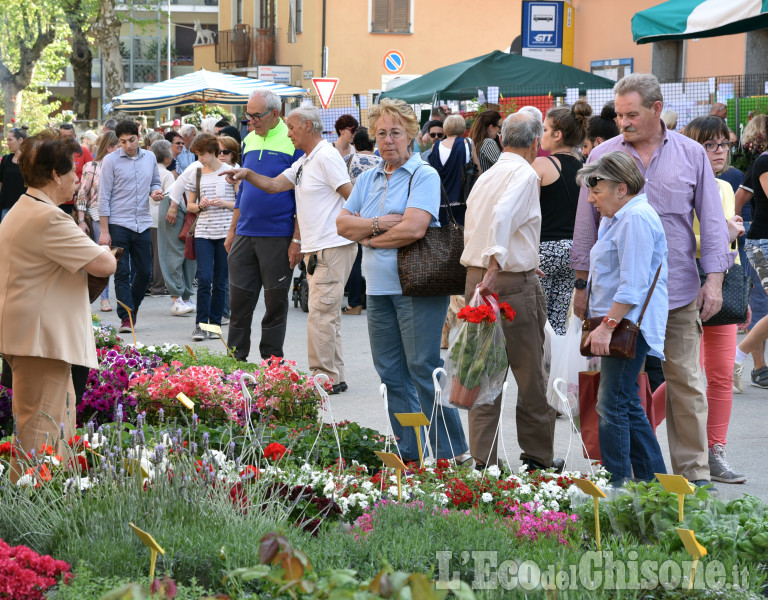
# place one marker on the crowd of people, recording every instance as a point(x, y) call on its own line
point(571, 214)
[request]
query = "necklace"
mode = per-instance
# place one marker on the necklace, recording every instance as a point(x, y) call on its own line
point(390, 172)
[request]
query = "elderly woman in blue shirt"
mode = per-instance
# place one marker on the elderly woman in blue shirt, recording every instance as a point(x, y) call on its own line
point(391, 206)
point(630, 249)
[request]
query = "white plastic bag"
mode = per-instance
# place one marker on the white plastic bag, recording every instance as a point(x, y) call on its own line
point(476, 361)
point(566, 364)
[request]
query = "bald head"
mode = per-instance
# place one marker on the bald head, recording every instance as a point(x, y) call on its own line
point(719, 110)
point(520, 130)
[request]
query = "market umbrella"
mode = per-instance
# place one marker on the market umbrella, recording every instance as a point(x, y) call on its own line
point(685, 19)
point(201, 87)
point(530, 75)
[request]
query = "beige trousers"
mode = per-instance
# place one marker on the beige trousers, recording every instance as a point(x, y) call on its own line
point(524, 337)
point(40, 387)
point(686, 394)
point(326, 294)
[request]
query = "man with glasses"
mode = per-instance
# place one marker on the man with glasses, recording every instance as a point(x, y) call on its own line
point(263, 242)
point(188, 133)
point(322, 184)
point(434, 134)
point(678, 182)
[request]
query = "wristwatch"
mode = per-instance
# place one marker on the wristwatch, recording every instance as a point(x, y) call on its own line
point(295, 241)
point(610, 323)
point(581, 284)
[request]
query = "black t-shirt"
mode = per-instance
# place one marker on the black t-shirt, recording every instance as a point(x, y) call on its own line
point(12, 182)
point(559, 200)
point(759, 228)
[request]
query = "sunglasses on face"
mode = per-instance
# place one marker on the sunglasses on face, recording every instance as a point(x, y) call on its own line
point(225, 152)
point(437, 135)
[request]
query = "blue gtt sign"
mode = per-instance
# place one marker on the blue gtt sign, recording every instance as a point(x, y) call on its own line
point(543, 29)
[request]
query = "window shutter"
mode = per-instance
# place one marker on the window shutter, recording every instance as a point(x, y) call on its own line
point(292, 21)
point(381, 15)
point(400, 22)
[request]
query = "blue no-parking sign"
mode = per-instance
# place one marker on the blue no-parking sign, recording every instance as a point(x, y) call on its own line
point(394, 62)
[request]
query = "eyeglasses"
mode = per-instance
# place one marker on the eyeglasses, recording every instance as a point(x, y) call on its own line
point(225, 152)
point(714, 147)
point(437, 135)
point(592, 181)
point(257, 117)
point(395, 134)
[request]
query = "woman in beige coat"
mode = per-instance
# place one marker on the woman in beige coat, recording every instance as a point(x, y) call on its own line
point(45, 316)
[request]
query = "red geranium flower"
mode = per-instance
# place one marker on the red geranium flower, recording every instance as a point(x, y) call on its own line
point(274, 451)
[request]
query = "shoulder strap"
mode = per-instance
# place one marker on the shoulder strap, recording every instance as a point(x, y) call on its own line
point(647, 298)
point(198, 177)
point(443, 196)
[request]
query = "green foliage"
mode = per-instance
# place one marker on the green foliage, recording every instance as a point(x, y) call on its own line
point(211, 110)
point(357, 443)
point(89, 584)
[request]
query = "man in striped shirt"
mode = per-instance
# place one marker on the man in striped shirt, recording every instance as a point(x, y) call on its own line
point(678, 181)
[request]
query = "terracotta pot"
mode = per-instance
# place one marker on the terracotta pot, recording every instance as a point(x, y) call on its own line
point(462, 397)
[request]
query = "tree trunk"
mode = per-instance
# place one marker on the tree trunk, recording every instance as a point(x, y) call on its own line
point(107, 32)
point(13, 83)
point(81, 60)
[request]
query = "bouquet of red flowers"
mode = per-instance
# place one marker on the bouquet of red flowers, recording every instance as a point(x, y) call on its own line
point(477, 355)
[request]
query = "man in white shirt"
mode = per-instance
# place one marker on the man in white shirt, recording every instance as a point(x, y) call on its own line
point(322, 185)
point(501, 253)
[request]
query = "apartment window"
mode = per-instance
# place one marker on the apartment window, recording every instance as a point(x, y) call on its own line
point(267, 14)
point(391, 16)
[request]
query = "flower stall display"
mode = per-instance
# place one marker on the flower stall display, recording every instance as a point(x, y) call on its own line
point(477, 355)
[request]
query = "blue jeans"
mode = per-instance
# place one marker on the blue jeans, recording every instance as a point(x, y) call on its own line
point(354, 287)
point(405, 336)
point(138, 250)
point(627, 442)
point(212, 279)
point(756, 266)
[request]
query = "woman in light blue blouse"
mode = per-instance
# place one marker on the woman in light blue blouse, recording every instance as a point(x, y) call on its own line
point(391, 206)
point(630, 249)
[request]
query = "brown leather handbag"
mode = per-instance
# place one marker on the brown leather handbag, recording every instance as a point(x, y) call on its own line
point(96, 284)
point(431, 266)
point(624, 338)
point(190, 219)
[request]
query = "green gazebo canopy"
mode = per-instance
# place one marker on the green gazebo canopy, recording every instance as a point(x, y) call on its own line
point(685, 19)
point(527, 76)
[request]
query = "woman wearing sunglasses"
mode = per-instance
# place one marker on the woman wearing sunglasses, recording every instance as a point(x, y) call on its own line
point(346, 127)
point(631, 248)
point(229, 152)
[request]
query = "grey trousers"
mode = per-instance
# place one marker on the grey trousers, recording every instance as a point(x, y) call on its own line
point(256, 263)
point(178, 272)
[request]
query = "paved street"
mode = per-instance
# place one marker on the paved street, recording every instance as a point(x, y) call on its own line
point(747, 435)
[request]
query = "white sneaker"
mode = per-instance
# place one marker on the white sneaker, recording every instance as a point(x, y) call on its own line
point(192, 306)
point(179, 307)
point(738, 386)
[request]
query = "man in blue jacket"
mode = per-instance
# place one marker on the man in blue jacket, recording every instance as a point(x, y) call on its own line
point(262, 242)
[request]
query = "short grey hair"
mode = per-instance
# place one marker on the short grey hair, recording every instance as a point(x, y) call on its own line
point(616, 167)
point(272, 100)
point(188, 128)
point(209, 124)
point(533, 111)
point(520, 130)
point(308, 113)
point(162, 150)
point(644, 84)
point(669, 117)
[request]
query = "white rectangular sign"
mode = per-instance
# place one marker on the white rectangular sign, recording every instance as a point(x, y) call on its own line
point(275, 74)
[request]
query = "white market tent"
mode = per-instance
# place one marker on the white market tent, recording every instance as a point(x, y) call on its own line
point(200, 87)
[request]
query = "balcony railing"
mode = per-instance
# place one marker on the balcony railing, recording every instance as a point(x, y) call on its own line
point(233, 47)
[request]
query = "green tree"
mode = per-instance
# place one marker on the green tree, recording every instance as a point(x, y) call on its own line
point(33, 50)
